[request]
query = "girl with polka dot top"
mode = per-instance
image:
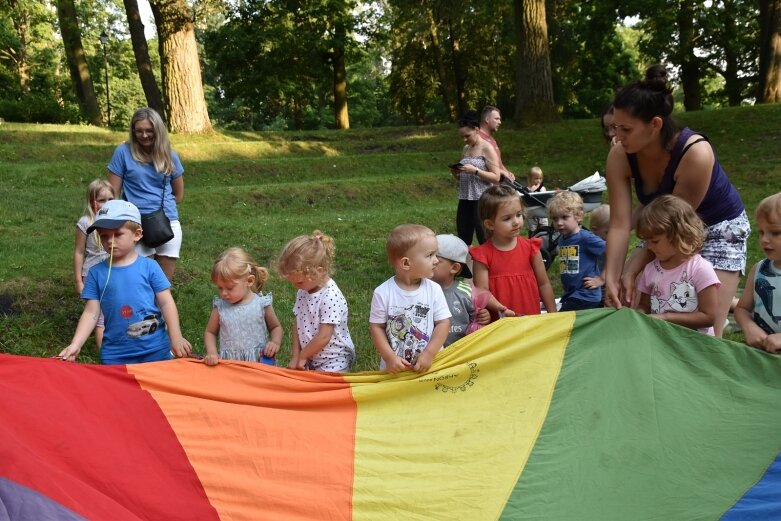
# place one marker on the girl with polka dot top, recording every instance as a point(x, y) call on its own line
point(321, 339)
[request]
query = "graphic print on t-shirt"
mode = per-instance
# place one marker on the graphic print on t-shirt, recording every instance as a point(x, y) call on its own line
point(406, 329)
point(569, 260)
point(680, 297)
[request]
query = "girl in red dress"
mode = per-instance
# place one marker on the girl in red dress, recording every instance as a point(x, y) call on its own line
point(507, 264)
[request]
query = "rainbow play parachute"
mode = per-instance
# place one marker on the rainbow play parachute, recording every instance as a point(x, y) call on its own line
point(603, 415)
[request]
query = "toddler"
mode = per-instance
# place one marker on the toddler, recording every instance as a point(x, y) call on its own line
point(321, 339)
point(88, 251)
point(579, 252)
point(534, 184)
point(409, 318)
point(142, 322)
point(452, 255)
point(678, 286)
point(758, 311)
point(241, 314)
point(508, 265)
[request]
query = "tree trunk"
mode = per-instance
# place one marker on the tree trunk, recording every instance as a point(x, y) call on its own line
point(458, 70)
point(534, 84)
point(690, 70)
point(21, 20)
point(341, 115)
point(185, 103)
point(146, 73)
point(77, 62)
point(732, 84)
point(769, 87)
point(436, 50)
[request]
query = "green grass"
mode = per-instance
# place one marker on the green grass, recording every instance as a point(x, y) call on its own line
point(258, 190)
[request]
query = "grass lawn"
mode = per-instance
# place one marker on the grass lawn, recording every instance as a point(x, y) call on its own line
point(258, 190)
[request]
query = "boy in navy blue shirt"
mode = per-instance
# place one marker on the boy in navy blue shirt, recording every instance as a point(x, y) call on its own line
point(579, 253)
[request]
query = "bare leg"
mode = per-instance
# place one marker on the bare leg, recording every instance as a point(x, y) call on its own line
point(729, 285)
point(168, 264)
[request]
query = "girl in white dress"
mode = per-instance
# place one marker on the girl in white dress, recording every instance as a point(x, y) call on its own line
point(321, 339)
point(244, 318)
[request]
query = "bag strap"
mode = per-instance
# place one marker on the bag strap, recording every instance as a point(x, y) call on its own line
point(162, 197)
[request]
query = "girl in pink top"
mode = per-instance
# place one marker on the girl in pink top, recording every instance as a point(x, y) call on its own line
point(678, 286)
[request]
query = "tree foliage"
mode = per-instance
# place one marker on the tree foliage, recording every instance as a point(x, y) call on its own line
point(276, 59)
point(591, 57)
point(302, 63)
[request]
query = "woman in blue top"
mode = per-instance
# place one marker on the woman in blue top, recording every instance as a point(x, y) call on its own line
point(660, 158)
point(149, 172)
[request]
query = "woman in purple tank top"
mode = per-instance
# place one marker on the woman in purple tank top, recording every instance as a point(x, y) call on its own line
point(659, 157)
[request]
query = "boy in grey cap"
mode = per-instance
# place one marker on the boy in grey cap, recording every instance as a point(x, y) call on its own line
point(452, 253)
point(142, 322)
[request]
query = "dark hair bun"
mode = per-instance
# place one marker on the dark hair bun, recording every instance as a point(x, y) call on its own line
point(469, 119)
point(656, 78)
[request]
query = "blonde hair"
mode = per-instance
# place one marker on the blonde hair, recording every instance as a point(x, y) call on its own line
point(600, 217)
point(306, 253)
point(235, 264)
point(493, 199)
point(93, 191)
point(160, 156)
point(534, 171)
point(769, 209)
point(403, 237)
point(674, 218)
point(566, 201)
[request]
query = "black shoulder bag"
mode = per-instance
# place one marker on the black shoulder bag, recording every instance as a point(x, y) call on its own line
point(156, 225)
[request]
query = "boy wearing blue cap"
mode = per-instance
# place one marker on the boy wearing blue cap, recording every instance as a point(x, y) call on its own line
point(142, 322)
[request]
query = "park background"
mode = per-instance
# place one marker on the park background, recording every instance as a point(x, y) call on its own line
point(336, 115)
point(286, 64)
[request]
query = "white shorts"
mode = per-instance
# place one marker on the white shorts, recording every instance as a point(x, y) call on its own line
point(169, 249)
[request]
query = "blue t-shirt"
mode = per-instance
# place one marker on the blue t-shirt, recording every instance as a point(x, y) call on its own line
point(578, 258)
point(142, 184)
point(134, 324)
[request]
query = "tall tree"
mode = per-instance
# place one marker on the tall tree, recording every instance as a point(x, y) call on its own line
point(144, 65)
point(436, 51)
point(589, 55)
point(690, 66)
point(285, 59)
point(77, 62)
point(728, 46)
point(534, 84)
point(769, 88)
point(20, 17)
point(181, 69)
point(341, 114)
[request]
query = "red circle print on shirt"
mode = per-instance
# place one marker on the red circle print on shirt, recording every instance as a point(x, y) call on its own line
point(126, 312)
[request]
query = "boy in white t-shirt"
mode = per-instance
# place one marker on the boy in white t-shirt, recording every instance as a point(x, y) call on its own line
point(409, 318)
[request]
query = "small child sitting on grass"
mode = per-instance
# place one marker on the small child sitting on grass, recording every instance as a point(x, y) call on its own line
point(409, 318)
